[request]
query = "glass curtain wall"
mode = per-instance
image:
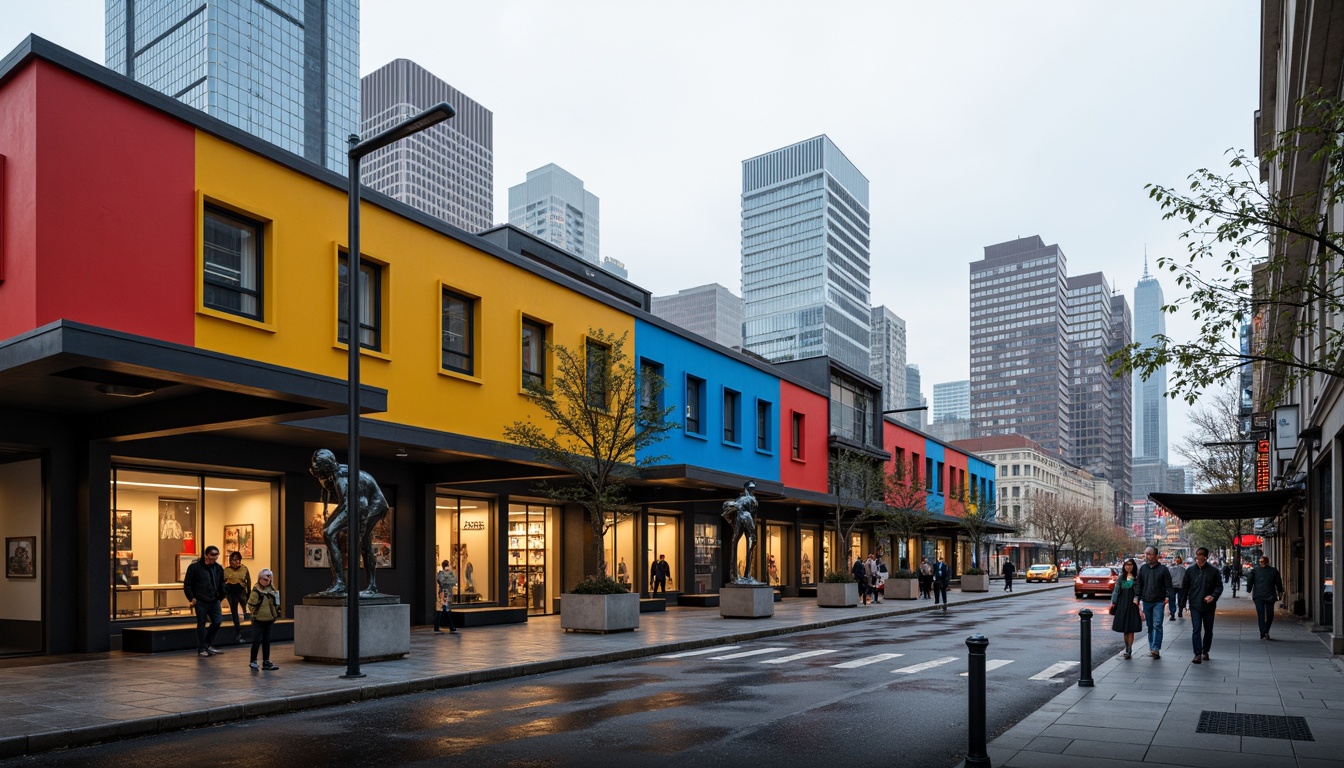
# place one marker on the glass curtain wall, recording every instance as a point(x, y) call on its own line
point(463, 532)
point(532, 562)
point(163, 521)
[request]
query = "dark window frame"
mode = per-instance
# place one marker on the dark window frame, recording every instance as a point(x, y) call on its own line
point(764, 410)
point(597, 369)
point(538, 376)
point(732, 416)
point(216, 287)
point(695, 405)
point(374, 329)
point(467, 352)
point(797, 430)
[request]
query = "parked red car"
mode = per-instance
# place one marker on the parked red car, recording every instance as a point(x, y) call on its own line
point(1095, 581)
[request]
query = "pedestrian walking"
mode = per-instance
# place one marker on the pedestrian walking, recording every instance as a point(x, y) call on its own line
point(1154, 583)
point(925, 580)
point(1266, 588)
point(860, 572)
point(264, 605)
point(1125, 605)
point(941, 576)
point(873, 578)
point(446, 579)
point(1204, 588)
point(1009, 570)
point(204, 587)
point(1176, 601)
point(658, 574)
point(1227, 573)
point(237, 589)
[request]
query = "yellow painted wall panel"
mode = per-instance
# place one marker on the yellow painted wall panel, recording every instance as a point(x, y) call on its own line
point(306, 225)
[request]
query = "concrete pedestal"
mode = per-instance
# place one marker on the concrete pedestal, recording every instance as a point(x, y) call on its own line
point(320, 629)
point(747, 601)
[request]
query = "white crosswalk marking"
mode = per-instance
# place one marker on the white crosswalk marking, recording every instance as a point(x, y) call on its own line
point(992, 664)
point(796, 656)
point(756, 652)
point(866, 661)
point(1049, 672)
point(910, 670)
point(700, 652)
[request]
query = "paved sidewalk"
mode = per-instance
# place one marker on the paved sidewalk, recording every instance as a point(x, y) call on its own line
point(46, 703)
point(1147, 712)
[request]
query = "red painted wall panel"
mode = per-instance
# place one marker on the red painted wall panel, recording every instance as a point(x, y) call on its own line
point(897, 436)
point(18, 143)
point(810, 473)
point(115, 212)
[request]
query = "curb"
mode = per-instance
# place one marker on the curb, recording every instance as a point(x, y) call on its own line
point(16, 746)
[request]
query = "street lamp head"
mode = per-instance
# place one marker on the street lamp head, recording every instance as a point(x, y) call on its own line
point(430, 117)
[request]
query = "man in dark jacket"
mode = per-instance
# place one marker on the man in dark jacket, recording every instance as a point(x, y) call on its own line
point(860, 574)
point(1154, 583)
point(204, 585)
point(1203, 587)
point(1265, 586)
point(942, 576)
point(1009, 570)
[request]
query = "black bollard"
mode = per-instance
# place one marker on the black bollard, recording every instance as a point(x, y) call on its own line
point(1085, 674)
point(975, 705)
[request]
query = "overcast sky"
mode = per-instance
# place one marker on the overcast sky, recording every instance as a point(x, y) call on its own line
point(975, 122)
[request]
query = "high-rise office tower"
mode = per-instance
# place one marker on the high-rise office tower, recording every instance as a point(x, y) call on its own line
point(447, 170)
point(553, 205)
point(952, 401)
point(887, 356)
point(914, 398)
point(1150, 404)
point(286, 72)
point(1098, 325)
point(805, 255)
point(709, 310)
point(1019, 344)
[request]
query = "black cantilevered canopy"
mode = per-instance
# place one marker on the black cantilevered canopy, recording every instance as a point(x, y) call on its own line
point(1225, 506)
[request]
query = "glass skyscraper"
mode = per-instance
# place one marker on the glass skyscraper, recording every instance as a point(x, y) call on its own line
point(286, 71)
point(1150, 405)
point(805, 255)
point(887, 357)
point(553, 205)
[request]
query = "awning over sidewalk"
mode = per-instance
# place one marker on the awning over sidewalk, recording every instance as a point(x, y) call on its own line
point(1225, 506)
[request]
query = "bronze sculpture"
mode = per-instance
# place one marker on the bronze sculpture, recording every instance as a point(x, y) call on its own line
point(742, 514)
point(334, 479)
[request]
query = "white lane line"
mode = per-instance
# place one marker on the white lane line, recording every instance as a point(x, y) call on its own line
point(1054, 669)
point(993, 664)
point(796, 656)
point(756, 652)
point(910, 670)
point(700, 652)
point(866, 661)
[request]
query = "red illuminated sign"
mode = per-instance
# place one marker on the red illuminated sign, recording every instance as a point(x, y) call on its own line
point(1262, 465)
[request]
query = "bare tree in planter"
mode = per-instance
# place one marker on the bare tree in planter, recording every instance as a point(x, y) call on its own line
point(905, 512)
point(859, 485)
point(602, 413)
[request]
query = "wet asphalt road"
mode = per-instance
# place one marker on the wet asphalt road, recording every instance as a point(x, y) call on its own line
point(760, 709)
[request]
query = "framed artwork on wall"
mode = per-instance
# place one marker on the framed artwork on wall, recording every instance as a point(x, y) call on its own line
point(21, 557)
point(237, 538)
point(183, 561)
point(314, 548)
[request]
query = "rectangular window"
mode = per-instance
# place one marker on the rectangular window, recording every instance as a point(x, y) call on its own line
point(458, 332)
point(650, 386)
point(763, 422)
point(232, 268)
point(928, 474)
point(597, 359)
point(370, 304)
point(732, 416)
point(695, 392)
point(534, 357)
point(796, 437)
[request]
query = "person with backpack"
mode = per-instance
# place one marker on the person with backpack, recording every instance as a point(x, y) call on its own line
point(264, 605)
point(860, 572)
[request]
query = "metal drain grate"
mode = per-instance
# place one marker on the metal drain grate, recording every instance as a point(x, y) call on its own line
point(1259, 726)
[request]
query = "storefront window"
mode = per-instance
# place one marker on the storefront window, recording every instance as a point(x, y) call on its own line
point(463, 531)
point(828, 553)
point(707, 545)
point(619, 551)
point(21, 504)
point(662, 538)
point(778, 557)
point(809, 553)
point(161, 522)
point(532, 561)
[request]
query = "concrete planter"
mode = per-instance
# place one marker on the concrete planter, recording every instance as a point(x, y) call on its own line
point(975, 583)
point(901, 589)
point(599, 613)
point(837, 594)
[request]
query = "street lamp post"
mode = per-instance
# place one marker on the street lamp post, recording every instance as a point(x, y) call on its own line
point(358, 149)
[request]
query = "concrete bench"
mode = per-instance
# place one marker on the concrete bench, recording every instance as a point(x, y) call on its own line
point(652, 604)
point(487, 615)
point(707, 600)
point(159, 638)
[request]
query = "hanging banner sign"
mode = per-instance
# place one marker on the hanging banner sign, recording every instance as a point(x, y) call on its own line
point(1262, 465)
point(1285, 430)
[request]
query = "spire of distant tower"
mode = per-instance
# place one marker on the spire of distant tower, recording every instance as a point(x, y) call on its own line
point(1145, 260)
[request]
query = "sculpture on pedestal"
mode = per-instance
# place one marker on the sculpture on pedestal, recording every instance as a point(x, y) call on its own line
point(371, 506)
point(742, 514)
